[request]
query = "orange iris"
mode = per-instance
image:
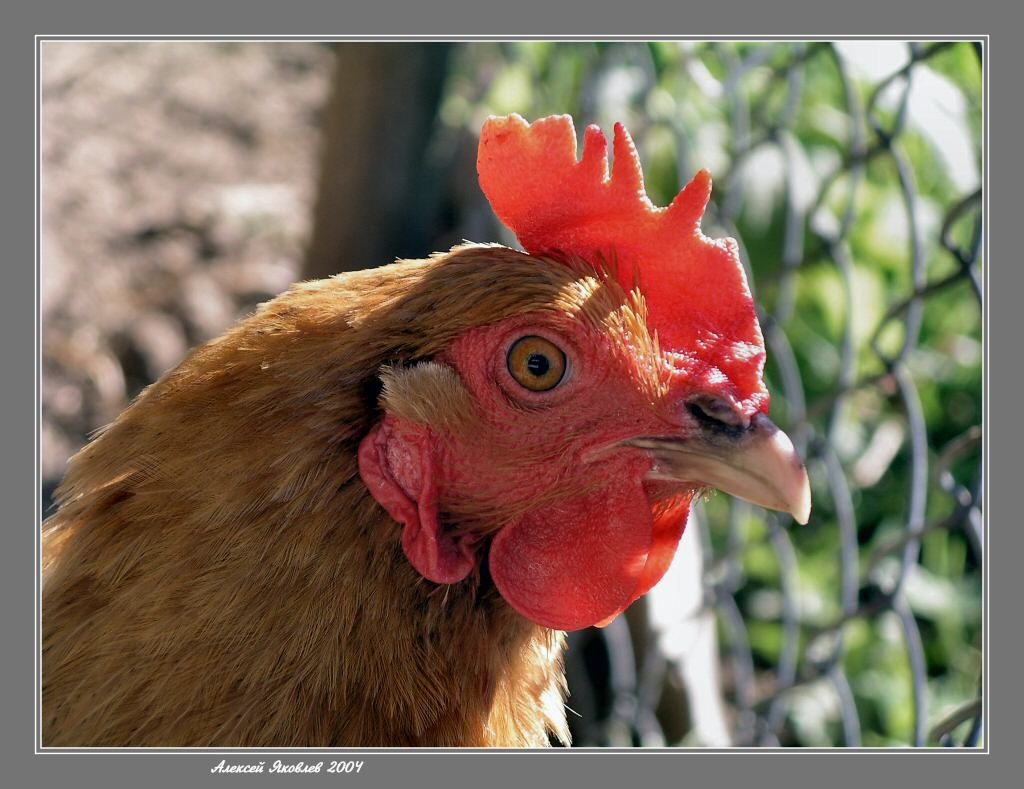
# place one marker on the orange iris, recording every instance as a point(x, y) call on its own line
point(536, 363)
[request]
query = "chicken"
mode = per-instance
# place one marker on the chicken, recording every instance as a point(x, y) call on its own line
point(366, 514)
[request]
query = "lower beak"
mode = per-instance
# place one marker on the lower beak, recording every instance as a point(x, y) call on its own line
point(759, 465)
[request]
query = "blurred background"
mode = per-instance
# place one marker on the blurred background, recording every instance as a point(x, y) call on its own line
point(184, 183)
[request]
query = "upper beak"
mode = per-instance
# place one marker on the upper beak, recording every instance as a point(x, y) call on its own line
point(758, 464)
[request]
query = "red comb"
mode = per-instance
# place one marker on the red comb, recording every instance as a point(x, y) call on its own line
point(695, 287)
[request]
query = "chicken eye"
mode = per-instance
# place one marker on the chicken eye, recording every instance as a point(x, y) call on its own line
point(536, 363)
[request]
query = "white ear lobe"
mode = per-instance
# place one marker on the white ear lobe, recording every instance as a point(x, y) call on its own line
point(429, 394)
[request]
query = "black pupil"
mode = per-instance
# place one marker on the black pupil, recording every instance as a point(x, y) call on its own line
point(538, 364)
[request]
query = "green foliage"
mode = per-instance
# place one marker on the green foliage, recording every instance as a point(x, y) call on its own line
point(731, 107)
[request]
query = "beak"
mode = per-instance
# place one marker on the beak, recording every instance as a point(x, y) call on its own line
point(758, 464)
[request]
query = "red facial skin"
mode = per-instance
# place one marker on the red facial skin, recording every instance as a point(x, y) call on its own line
point(582, 533)
point(581, 529)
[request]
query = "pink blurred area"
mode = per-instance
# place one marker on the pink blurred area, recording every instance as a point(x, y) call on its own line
point(177, 180)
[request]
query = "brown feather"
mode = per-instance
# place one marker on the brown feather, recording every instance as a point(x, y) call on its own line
point(217, 573)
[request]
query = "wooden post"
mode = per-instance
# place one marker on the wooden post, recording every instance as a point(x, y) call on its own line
point(373, 201)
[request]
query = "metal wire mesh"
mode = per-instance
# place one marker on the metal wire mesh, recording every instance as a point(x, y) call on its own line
point(621, 696)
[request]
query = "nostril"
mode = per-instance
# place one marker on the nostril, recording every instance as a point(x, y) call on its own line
point(717, 414)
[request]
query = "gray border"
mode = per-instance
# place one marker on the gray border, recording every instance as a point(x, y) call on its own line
point(391, 768)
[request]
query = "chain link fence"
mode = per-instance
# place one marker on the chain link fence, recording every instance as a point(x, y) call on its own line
point(940, 477)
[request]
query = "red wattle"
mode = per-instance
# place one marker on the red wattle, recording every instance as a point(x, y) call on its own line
point(669, 523)
point(576, 562)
